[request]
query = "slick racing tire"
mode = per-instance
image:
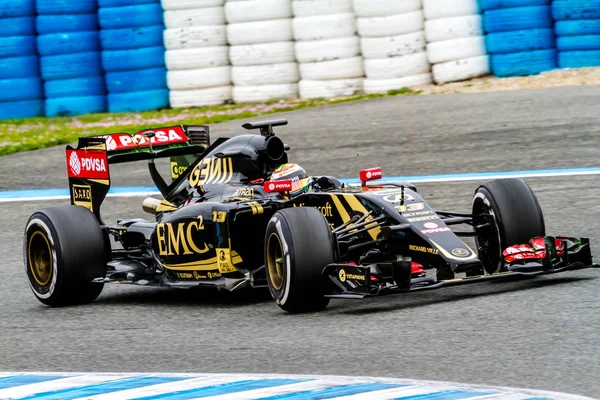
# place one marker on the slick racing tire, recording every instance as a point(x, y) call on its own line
point(64, 251)
point(298, 245)
point(516, 218)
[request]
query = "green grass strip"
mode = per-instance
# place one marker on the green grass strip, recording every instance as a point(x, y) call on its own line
point(38, 133)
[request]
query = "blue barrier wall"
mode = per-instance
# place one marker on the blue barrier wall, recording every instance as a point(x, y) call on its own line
point(69, 47)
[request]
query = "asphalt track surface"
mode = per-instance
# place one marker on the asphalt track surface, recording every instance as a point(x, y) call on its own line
point(541, 333)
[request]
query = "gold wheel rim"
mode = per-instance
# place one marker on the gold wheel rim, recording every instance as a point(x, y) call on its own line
point(275, 261)
point(40, 258)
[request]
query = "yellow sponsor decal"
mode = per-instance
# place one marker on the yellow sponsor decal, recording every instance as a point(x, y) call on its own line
point(423, 249)
point(178, 239)
point(82, 196)
point(410, 207)
point(257, 209)
point(224, 261)
point(177, 170)
point(212, 170)
point(342, 275)
point(219, 216)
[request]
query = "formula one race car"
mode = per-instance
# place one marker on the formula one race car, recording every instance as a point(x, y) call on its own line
point(234, 218)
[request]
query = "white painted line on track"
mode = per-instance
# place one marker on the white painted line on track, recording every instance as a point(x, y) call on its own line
point(140, 191)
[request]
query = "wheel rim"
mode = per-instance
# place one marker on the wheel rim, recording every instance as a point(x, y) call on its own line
point(275, 262)
point(487, 239)
point(39, 255)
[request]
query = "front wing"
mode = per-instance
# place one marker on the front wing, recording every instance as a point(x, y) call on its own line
point(353, 281)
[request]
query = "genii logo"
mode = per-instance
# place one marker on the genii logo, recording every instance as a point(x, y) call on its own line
point(87, 164)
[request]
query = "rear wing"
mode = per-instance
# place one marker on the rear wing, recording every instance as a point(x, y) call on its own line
point(88, 163)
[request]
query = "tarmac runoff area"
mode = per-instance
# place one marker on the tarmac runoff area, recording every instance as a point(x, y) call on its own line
point(539, 333)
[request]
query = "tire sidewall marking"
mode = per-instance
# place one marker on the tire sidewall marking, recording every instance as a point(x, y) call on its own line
point(40, 291)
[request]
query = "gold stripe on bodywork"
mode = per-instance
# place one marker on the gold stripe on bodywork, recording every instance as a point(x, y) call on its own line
point(257, 209)
point(100, 181)
point(166, 206)
point(204, 265)
point(452, 256)
point(356, 205)
point(253, 207)
point(340, 208)
point(99, 146)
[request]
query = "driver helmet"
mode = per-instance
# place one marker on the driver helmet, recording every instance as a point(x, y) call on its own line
point(295, 173)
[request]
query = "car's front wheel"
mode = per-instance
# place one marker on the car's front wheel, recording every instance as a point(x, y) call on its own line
point(64, 251)
point(298, 246)
point(516, 217)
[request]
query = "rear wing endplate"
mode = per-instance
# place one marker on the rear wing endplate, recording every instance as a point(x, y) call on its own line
point(88, 163)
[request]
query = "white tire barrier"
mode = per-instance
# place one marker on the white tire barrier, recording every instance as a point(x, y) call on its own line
point(190, 4)
point(437, 30)
point(207, 97)
point(397, 67)
point(257, 10)
point(197, 56)
point(328, 89)
point(201, 57)
point(254, 94)
point(435, 9)
point(461, 69)
point(198, 36)
point(194, 17)
point(372, 86)
point(272, 74)
point(392, 43)
point(457, 49)
point(262, 50)
point(346, 68)
point(199, 78)
point(393, 46)
point(262, 54)
point(392, 25)
point(311, 8)
point(455, 42)
point(327, 48)
point(278, 30)
point(324, 27)
point(381, 8)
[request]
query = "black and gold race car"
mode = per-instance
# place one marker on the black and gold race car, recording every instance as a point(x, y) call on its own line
point(223, 223)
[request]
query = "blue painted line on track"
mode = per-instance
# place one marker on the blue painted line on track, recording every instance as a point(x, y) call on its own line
point(225, 388)
point(102, 388)
point(10, 381)
point(32, 194)
point(332, 392)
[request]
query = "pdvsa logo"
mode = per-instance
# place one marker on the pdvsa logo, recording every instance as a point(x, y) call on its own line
point(87, 165)
point(75, 164)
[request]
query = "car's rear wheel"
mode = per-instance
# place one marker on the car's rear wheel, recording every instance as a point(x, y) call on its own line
point(298, 245)
point(64, 251)
point(516, 217)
